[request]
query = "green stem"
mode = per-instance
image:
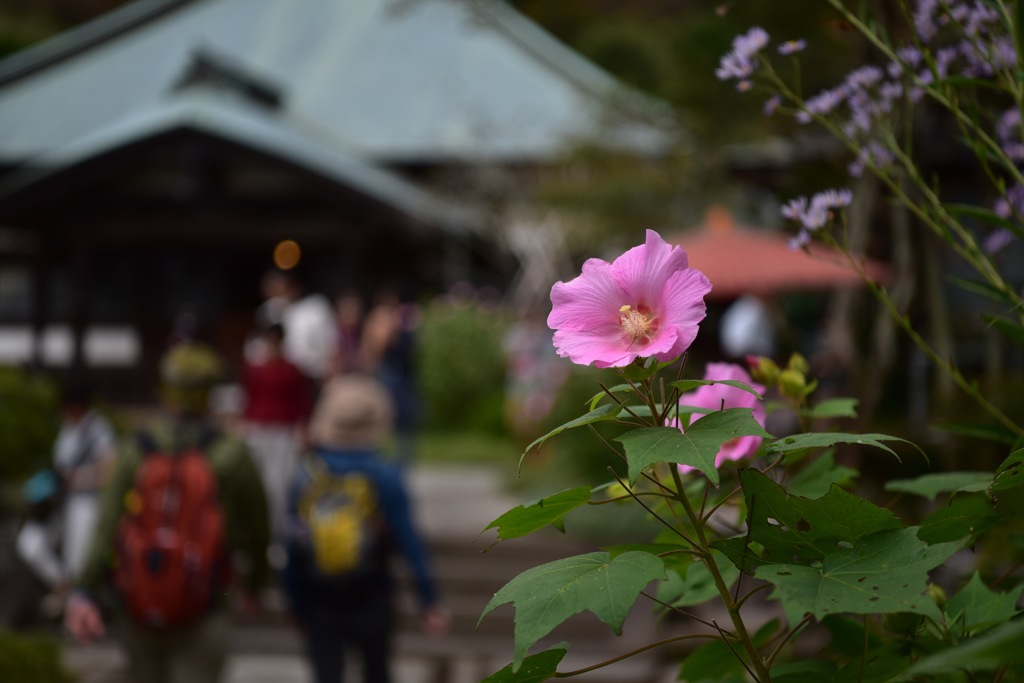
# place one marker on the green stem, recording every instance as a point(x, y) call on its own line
point(645, 648)
point(943, 364)
point(762, 674)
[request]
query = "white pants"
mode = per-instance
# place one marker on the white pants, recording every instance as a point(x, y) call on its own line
point(275, 450)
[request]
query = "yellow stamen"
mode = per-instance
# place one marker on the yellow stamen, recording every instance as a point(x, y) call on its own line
point(637, 325)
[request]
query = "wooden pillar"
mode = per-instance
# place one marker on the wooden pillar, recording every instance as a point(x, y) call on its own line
point(81, 284)
point(40, 303)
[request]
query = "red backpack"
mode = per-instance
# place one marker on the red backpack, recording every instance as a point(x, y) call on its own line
point(171, 550)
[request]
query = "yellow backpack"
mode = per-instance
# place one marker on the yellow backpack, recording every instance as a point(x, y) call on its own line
point(344, 524)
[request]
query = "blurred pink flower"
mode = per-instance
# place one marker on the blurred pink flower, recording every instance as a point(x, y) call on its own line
point(648, 302)
point(719, 396)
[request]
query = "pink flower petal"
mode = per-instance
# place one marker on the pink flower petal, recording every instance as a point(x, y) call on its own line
point(683, 308)
point(643, 271)
point(586, 302)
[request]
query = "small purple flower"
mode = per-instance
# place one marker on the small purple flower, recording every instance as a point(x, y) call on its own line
point(750, 43)
point(833, 199)
point(733, 65)
point(864, 77)
point(792, 46)
point(826, 101)
point(1012, 203)
point(997, 241)
point(817, 212)
point(739, 63)
point(794, 208)
point(924, 19)
point(771, 104)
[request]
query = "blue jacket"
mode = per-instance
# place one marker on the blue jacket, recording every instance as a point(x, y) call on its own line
point(393, 504)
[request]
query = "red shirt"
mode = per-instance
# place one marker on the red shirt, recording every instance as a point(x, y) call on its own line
point(277, 393)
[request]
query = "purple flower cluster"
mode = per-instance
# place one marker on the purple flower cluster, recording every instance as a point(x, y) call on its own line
point(740, 62)
point(815, 213)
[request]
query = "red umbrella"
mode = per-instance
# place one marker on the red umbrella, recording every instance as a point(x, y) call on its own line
point(741, 260)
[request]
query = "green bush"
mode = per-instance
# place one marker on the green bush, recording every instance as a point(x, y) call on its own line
point(461, 367)
point(28, 422)
point(30, 659)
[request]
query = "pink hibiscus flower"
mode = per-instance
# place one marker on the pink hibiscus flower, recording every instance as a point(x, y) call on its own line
point(720, 396)
point(648, 302)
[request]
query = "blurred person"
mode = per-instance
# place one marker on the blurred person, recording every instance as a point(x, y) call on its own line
point(349, 511)
point(311, 335)
point(388, 353)
point(54, 545)
point(747, 328)
point(277, 408)
point(184, 507)
point(349, 310)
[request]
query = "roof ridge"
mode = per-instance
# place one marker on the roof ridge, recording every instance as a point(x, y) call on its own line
point(74, 40)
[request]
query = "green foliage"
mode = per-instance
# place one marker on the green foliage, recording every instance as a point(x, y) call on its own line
point(789, 529)
point(976, 608)
point(534, 669)
point(461, 367)
point(931, 485)
point(696, 585)
point(999, 647)
point(30, 659)
point(525, 519)
point(883, 573)
point(547, 595)
point(815, 480)
point(697, 447)
point(799, 442)
point(28, 422)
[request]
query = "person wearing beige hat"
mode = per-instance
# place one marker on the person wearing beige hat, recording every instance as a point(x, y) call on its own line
point(340, 603)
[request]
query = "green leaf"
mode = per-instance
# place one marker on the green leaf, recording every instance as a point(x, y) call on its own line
point(715, 662)
point(987, 652)
point(525, 519)
point(804, 671)
point(930, 485)
point(605, 413)
point(815, 480)
point(617, 389)
point(536, 668)
point(1008, 328)
point(976, 608)
point(798, 442)
point(978, 430)
point(1010, 473)
point(834, 407)
point(795, 530)
point(879, 665)
point(669, 553)
point(697, 447)
point(547, 595)
point(984, 289)
point(696, 586)
point(849, 635)
point(965, 514)
point(982, 214)
point(882, 573)
point(686, 385)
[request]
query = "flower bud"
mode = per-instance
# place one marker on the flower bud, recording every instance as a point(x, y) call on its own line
point(938, 595)
point(792, 383)
point(799, 363)
point(616, 491)
point(763, 369)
